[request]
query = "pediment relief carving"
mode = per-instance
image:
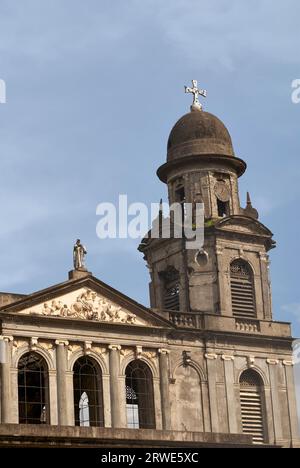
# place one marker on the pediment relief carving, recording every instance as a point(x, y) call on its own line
point(85, 304)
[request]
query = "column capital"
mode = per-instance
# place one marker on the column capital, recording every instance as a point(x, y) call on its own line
point(6, 338)
point(62, 342)
point(272, 362)
point(163, 351)
point(210, 356)
point(288, 363)
point(263, 256)
point(227, 357)
point(114, 347)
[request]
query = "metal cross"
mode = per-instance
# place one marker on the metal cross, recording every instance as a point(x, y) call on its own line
point(196, 92)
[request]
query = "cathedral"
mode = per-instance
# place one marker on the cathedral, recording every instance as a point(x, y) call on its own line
point(83, 365)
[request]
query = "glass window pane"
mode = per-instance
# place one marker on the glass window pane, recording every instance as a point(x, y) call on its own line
point(33, 389)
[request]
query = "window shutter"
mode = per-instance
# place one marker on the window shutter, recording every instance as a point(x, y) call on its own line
point(242, 290)
point(171, 300)
point(171, 289)
point(251, 406)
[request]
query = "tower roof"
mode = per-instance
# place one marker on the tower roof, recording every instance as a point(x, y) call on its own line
point(199, 139)
point(199, 133)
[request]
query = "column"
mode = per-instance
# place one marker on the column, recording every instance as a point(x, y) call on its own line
point(62, 396)
point(275, 400)
point(230, 393)
point(53, 412)
point(114, 369)
point(211, 362)
point(164, 388)
point(292, 403)
point(222, 286)
point(5, 378)
point(265, 286)
point(70, 401)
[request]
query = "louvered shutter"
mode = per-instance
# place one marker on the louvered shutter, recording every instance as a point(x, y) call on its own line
point(171, 289)
point(242, 290)
point(171, 300)
point(251, 406)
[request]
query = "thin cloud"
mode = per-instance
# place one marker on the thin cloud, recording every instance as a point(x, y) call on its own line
point(234, 32)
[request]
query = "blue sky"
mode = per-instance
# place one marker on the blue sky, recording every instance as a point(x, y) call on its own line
point(93, 89)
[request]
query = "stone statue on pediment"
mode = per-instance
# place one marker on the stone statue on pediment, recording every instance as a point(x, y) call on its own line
point(79, 253)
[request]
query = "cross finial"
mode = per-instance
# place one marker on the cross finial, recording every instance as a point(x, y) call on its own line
point(196, 92)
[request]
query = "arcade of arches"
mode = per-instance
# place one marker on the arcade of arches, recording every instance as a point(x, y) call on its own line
point(188, 395)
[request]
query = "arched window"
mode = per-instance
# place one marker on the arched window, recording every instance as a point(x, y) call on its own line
point(242, 290)
point(33, 389)
point(252, 405)
point(88, 394)
point(139, 396)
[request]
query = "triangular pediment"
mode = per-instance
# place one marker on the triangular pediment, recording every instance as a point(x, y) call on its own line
point(86, 300)
point(244, 225)
point(85, 304)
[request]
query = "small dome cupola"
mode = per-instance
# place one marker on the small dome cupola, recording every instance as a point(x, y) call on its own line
point(199, 140)
point(198, 133)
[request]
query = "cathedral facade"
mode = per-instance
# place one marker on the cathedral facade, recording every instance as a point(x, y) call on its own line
point(205, 365)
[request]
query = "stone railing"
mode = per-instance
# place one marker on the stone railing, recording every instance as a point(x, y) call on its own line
point(186, 320)
point(216, 323)
point(190, 320)
point(250, 326)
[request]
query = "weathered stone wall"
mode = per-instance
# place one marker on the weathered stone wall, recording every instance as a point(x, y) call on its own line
point(198, 395)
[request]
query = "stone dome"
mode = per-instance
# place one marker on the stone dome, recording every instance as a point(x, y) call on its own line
point(199, 133)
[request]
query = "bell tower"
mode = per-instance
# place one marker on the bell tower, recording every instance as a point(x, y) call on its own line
point(218, 298)
point(229, 276)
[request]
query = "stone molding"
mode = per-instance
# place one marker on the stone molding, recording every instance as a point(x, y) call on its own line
point(87, 347)
point(33, 343)
point(250, 361)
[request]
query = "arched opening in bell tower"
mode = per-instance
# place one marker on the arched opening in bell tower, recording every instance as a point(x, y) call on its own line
point(223, 208)
point(242, 290)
